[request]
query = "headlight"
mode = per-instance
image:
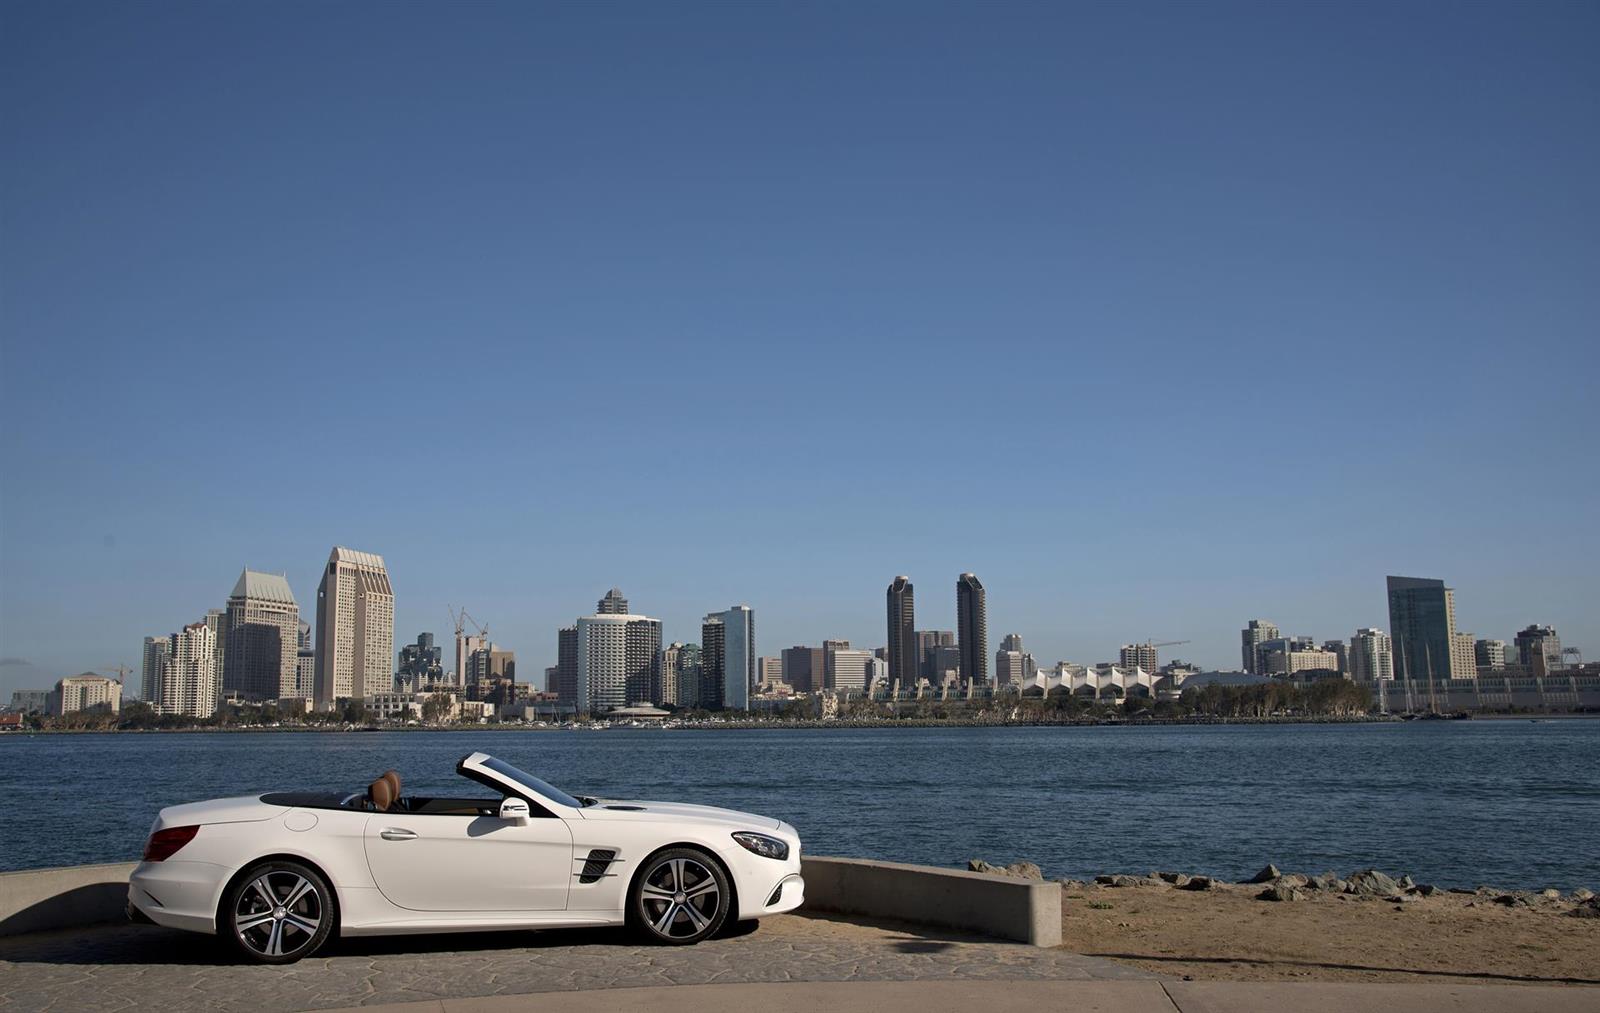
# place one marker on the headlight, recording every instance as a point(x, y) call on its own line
point(761, 844)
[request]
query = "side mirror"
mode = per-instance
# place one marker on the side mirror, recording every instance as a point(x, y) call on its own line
point(515, 811)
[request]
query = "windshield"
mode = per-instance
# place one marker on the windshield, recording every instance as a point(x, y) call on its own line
point(532, 783)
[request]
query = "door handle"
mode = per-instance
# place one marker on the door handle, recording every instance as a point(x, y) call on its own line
point(397, 834)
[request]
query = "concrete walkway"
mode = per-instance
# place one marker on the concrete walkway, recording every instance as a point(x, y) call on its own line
point(143, 967)
point(1034, 996)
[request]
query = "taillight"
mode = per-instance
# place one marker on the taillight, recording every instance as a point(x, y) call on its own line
point(163, 844)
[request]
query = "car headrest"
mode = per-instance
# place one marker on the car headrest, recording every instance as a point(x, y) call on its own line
point(393, 777)
point(381, 794)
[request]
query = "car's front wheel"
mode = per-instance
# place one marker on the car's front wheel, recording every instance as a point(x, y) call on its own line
point(278, 912)
point(681, 896)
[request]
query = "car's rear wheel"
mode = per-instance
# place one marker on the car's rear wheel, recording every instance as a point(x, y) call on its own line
point(278, 912)
point(681, 896)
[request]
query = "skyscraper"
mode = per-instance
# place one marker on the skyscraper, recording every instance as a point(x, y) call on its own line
point(903, 660)
point(616, 658)
point(1012, 664)
point(769, 671)
point(217, 619)
point(1422, 621)
point(262, 639)
point(1340, 650)
point(728, 658)
point(566, 687)
point(189, 673)
point(928, 644)
point(972, 626)
point(355, 628)
point(1538, 649)
point(1490, 655)
point(155, 649)
point(680, 675)
point(1255, 633)
point(612, 604)
point(421, 664)
point(802, 668)
point(1463, 656)
point(1371, 656)
point(492, 675)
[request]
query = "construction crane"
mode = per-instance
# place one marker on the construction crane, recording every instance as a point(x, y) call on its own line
point(1164, 643)
point(461, 620)
point(121, 670)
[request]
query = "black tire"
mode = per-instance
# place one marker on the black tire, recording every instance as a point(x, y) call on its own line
point(293, 925)
point(680, 897)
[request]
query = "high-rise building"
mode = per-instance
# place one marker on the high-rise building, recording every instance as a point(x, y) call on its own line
point(155, 649)
point(1255, 633)
point(217, 619)
point(612, 604)
point(1288, 655)
point(728, 658)
point(803, 668)
point(769, 671)
point(1338, 649)
point(1013, 665)
point(1463, 656)
point(86, 692)
point(189, 672)
point(1490, 655)
point(305, 637)
point(1371, 656)
point(850, 669)
point(929, 641)
point(305, 673)
point(617, 660)
point(680, 674)
point(1422, 621)
point(355, 628)
point(1538, 650)
point(1144, 656)
point(972, 626)
point(30, 701)
point(902, 657)
point(492, 675)
point(421, 664)
point(466, 644)
point(943, 664)
point(566, 687)
point(262, 639)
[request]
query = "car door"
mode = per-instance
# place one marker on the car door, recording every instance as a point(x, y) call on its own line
point(425, 862)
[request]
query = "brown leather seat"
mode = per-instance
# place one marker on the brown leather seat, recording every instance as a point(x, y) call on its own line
point(381, 794)
point(393, 777)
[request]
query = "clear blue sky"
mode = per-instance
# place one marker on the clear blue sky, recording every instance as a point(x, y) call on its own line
point(1158, 317)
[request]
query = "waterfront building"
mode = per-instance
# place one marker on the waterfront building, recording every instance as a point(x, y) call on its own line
point(1144, 656)
point(1490, 656)
point(1463, 656)
point(727, 658)
point(680, 674)
point(769, 671)
point(491, 674)
point(1339, 650)
point(217, 620)
point(261, 631)
point(902, 628)
point(972, 628)
point(1255, 633)
point(566, 687)
point(803, 668)
point(422, 664)
point(849, 669)
point(1012, 665)
point(355, 628)
point(30, 701)
point(155, 649)
point(612, 604)
point(1371, 656)
point(1538, 650)
point(1422, 621)
point(1288, 655)
point(466, 643)
point(189, 672)
point(929, 642)
point(616, 662)
point(85, 692)
point(305, 674)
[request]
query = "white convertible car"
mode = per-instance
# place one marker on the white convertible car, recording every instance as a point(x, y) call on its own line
point(277, 874)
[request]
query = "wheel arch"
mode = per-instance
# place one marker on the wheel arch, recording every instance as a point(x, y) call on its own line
point(644, 863)
point(282, 856)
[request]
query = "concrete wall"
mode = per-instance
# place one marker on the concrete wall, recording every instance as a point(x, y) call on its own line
point(40, 899)
point(1028, 911)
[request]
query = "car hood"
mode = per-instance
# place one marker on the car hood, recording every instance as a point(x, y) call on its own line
point(625, 809)
point(244, 809)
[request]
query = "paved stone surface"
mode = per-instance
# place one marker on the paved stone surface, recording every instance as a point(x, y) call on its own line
point(144, 967)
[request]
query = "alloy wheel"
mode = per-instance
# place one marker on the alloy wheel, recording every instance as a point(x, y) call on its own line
point(681, 898)
point(278, 914)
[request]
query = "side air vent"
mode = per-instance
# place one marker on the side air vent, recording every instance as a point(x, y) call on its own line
point(627, 808)
point(595, 866)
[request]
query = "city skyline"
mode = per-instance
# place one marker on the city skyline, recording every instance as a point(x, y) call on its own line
point(1221, 209)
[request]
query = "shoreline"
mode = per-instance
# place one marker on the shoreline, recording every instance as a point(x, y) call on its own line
point(809, 725)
